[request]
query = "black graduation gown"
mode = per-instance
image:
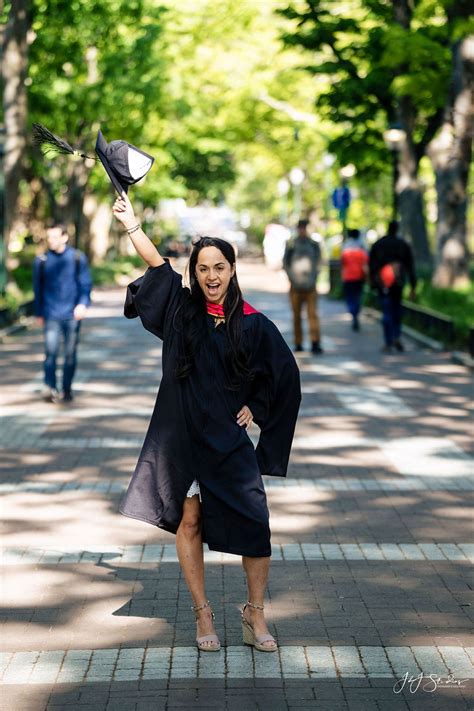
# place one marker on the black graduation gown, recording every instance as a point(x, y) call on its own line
point(193, 432)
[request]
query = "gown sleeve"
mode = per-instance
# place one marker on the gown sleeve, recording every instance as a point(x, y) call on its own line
point(154, 297)
point(275, 401)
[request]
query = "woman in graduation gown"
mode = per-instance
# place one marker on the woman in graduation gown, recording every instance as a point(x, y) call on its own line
point(198, 474)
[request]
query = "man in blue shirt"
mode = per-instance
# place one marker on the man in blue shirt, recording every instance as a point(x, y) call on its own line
point(62, 287)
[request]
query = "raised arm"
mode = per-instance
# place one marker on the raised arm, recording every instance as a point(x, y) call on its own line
point(123, 211)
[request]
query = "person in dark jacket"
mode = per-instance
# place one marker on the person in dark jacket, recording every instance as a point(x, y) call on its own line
point(62, 287)
point(301, 264)
point(198, 474)
point(391, 264)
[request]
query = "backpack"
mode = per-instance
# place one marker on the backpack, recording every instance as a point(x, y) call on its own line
point(390, 275)
point(302, 269)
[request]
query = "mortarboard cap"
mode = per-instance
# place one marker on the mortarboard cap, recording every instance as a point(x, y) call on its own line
point(125, 164)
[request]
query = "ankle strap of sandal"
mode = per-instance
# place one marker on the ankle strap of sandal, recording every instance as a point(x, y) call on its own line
point(197, 608)
point(255, 607)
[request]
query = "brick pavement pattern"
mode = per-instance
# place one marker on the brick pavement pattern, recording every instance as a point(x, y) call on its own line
point(370, 594)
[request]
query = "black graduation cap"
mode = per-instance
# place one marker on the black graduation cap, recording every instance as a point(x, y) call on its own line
point(125, 164)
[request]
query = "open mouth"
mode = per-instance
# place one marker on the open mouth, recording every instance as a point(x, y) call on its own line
point(212, 289)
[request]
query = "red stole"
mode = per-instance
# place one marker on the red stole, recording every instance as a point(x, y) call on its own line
point(218, 309)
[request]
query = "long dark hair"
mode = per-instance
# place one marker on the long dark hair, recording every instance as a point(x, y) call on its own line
point(193, 317)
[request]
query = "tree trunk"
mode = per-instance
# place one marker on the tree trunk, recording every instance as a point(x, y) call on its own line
point(97, 220)
point(66, 206)
point(14, 70)
point(69, 203)
point(410, 197)
point(451, 155)
point(413, 226)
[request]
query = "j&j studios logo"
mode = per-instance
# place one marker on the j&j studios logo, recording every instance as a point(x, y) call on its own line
point(426, 682)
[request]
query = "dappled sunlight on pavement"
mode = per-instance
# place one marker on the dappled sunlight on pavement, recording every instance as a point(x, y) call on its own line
point(371, 529)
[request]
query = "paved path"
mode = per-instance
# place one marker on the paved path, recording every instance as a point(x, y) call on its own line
point(372, 539)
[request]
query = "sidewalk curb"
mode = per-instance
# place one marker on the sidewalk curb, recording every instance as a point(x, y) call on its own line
point(463, 359)
point(18, 327)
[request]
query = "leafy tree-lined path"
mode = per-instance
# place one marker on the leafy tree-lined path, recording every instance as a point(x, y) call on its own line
point(229, 97)
point(404, 64)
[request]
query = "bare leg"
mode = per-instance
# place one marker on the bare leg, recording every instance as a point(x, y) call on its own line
point(256, 570)
point(191, 560)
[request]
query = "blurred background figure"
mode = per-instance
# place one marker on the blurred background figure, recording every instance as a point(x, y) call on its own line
point(354, 269)
point(391, 264)
point(274, 244)
point(301, 263)
point(62, 287)
point(213, 221)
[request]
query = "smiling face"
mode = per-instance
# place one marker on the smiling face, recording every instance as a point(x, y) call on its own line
point(213, 273)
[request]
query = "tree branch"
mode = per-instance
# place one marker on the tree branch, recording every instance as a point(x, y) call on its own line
point(432, 127)
point(346, 64)
point(285, 107)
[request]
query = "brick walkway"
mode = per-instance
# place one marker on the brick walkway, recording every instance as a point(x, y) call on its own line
point(371, 532)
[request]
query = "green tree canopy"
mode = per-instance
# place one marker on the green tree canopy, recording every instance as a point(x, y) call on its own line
point(387, 63)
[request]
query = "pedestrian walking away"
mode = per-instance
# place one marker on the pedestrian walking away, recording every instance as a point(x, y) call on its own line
point(354, 268)
point(198, 474)
point(391, 264)
point(301, 263)
point(62, 287)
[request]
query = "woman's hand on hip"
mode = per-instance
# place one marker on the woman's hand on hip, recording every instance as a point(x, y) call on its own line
point(245, 417)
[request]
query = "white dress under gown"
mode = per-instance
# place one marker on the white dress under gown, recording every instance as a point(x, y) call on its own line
point(194, 489)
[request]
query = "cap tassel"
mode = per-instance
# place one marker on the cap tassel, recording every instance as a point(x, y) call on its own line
point(50, 143)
